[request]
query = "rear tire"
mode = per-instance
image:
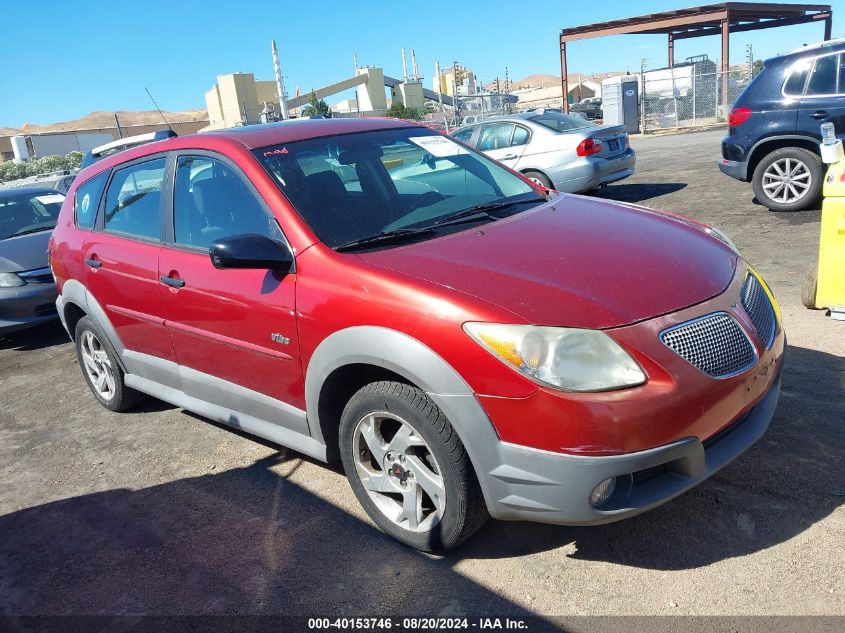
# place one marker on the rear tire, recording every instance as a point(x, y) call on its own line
point(101, 369)
point(408, 468)
point(788, 179)
point(539, 177)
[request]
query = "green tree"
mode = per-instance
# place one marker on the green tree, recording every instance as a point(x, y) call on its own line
point(756, 67)
point(399, 111)
point(317, 106)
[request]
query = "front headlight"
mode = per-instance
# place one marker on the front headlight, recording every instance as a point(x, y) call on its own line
point(722, 237)
point(564, 358)
point(10, 280)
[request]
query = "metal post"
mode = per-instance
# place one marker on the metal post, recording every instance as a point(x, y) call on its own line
point(726, 29)
point(455, 101)
point(440, 95)
point(507, 92)
point(564, 82)
point(642, 94)
point(671, 50)
point(828, 25)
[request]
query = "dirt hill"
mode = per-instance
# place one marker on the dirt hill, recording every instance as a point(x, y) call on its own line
point(99, 120)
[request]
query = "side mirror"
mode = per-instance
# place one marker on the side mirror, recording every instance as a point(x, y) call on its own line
point(250, 251)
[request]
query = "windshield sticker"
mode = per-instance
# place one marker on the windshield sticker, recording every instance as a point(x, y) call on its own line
point(51, 198)
point(272, 152)
point(86, 202)
point(438, 146)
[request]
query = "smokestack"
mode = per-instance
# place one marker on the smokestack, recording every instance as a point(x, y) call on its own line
point(414, 65)
point(404, 66)
point(280, 84)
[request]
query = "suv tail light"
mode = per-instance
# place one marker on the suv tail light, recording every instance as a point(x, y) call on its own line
point(738, 116)
point(588, 147)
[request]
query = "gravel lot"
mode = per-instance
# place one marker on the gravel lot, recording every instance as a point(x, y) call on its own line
point(158, 511)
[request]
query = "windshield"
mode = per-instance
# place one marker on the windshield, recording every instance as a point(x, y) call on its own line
point(560, 122)
point(28, 213)
point(355, 186)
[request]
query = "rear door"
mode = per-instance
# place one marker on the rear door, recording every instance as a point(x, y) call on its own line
point(824, 96)
point(496, 141)
point(121, 260)
point(237, 325)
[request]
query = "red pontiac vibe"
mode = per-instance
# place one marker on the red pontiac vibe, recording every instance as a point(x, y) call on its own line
point(468, 344)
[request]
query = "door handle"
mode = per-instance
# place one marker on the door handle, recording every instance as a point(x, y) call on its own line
point(509, 157)
point(93, 263)
point(173, 283)
point(819, 114)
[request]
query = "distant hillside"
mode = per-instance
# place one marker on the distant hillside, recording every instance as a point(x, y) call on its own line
point(540, 80)
point(100, 120)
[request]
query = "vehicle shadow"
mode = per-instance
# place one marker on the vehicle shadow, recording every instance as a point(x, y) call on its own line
point(244, 541)
point(252, 540)
point(638, 192)
point(791, 479)
point(41, 336)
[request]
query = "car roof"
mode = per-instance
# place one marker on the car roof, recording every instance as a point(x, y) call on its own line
point(250, 137)
point(26, 191)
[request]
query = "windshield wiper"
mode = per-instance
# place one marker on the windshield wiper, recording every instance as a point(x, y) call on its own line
point(38, 230)
point(385, 237)
point(485, 209)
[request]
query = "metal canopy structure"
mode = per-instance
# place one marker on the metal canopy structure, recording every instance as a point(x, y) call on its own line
point(712, 19)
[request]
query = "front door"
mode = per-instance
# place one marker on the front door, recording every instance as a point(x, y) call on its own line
point(234, 331)
point(498, 142)
point(121, 259)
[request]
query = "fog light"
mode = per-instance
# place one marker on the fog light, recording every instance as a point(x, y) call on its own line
point(602, 492)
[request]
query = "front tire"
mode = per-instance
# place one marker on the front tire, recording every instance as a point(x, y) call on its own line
point(99, 364)
point(408, 468)
point(788, 179)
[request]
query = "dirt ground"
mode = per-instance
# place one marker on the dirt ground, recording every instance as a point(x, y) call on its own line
point(158, 511)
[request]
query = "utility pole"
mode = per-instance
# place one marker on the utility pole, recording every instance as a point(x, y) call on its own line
point(457, 103)
point(507, 92)
point(440, 95)
point(643, 66)
point(749, 56)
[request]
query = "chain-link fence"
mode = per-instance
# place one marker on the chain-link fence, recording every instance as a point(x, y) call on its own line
point(682, 97)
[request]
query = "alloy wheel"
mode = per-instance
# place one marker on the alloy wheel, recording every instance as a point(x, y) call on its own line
point(787, 180)
point(399, 471)
point(97, 365)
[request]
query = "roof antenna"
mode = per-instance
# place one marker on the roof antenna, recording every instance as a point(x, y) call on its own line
point(159, 111)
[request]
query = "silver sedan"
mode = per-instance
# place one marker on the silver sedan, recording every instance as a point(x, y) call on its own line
point(558, 151)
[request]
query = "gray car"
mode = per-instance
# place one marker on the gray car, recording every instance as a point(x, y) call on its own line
point(558, 151)
point(27, 287)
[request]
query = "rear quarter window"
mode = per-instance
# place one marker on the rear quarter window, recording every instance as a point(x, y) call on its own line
point(87, 200)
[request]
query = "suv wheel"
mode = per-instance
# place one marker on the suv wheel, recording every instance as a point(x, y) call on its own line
point(788, 179)
point(99, 365)
point(408, 467)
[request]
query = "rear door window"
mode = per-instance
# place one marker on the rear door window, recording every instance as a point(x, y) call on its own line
point(133, 200)
point(520, 136)
point(87, 200)
point(823, 78)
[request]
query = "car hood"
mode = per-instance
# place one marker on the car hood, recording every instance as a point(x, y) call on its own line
point(24, 252)
point(575, 262)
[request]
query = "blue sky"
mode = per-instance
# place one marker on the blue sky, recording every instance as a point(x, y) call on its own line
point(68, 59)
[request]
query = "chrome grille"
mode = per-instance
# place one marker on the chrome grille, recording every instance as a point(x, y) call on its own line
point(758, 306)
point(715, 344)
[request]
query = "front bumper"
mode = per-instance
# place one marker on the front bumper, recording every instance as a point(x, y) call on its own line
point(547, 487)
point(734, 168)
point(26, 306)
